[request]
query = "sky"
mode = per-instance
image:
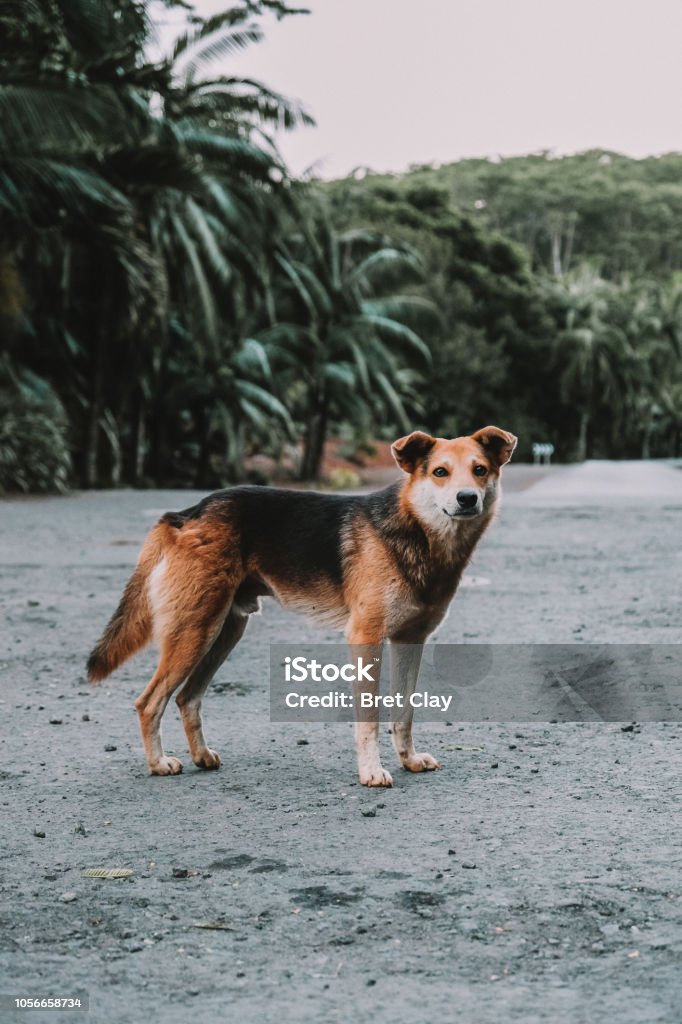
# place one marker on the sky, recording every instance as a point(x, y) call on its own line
point(393, 83)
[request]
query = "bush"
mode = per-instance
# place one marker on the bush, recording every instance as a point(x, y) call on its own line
point(343, 479)
point(34, 452)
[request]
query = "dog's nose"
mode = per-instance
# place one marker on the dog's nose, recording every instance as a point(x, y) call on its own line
point(467, 498)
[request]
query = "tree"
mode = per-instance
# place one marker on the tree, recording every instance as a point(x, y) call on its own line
point(140, 196)
point(353, 334)
point(491, 346)
point(593, 355)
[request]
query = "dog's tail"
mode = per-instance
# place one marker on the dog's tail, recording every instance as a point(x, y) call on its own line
point(130, 627)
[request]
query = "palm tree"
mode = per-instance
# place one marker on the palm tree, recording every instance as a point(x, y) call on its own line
point(652, 316)
point(143, 195)
point(351, 332)
point(212, 229)
point(593, 355)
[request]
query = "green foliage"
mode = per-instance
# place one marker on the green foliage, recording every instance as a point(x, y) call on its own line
point(623, 216)
point(353, 335)
point(190, 304)
point(135, 204)
point(493, 328)
point(566, 327)
point(34, 452)
point(341, 479)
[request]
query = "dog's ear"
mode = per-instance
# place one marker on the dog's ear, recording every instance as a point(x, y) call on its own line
point(409, 451)
point(498, 444)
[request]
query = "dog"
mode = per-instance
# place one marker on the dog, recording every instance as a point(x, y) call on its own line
point(382, 566)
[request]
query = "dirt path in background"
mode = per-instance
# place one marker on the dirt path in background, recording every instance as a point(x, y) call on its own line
point(535, 878)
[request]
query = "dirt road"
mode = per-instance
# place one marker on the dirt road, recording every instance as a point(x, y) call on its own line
point(535, 878)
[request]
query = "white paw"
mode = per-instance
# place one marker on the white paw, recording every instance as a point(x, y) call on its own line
point(420, 763)
point(166, 766)
point(375, 775)
point(208, 759)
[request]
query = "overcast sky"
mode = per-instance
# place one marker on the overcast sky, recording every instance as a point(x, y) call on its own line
point(397, 82)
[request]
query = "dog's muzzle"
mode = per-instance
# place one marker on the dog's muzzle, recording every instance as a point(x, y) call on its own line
point(467, 505)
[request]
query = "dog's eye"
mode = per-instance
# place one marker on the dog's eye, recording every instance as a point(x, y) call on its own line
point(440, 471)
point(480, 470)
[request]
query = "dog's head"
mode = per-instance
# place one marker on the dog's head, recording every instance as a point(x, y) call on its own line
point(453, 480)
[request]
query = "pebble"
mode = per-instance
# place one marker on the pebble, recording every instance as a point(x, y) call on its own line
point(109, 747)
point(56, 721)
point(180, 873)
point(38, 833)
point(85, 718)
point(468, 864)
point(368, 812)
point(302, 743)
point(68, 897)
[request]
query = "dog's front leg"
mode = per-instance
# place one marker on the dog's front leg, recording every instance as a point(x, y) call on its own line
point(365, 694)
point(405, 660)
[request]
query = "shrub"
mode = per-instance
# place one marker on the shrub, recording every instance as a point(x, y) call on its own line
point(342, 479)
point(34, 451)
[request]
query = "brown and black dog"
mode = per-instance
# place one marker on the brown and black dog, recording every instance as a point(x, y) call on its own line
point(384, 566)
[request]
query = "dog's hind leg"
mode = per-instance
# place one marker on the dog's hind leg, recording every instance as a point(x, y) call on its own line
point(189, 593)
point(189, 599)
point(181, 652)
point(190, 697)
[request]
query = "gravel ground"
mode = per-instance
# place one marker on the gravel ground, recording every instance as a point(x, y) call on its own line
point(535, 878)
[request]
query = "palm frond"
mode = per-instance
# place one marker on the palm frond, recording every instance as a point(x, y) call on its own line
point(386, 268)
point(48, 119)
point(216, 37)
point(207, 233)
point(204, 291)
point(265, 400)
point(237, 154)
point(341, 373)
point(252, 356)
point(233, 210)
point(416, 312)
point(255, 416)
point(394, 401)
point(288, 339)
point(290, 269)
point(361, 365)
point(44, 192)
point(398, 333)
point(235, 97)
point(205, 27)
point(315, 287)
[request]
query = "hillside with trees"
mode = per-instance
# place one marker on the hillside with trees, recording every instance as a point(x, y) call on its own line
point(560, 281)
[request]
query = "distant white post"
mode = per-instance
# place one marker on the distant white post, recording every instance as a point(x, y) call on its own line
point(542, 453)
